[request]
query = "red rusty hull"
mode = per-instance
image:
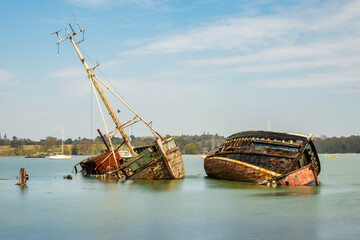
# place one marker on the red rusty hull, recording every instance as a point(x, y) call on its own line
point(159, 161)
point(97, 166)
point(230, 169)
point(305, 176)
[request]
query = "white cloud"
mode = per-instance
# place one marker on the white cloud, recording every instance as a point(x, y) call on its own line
point(307, 38)
point(280, 53)
point(239, 34)
point(337, 80)
point(261, 31)
point(315, 41)
point(304, 64)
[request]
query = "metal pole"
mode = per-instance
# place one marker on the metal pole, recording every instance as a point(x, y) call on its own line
point(92, 77)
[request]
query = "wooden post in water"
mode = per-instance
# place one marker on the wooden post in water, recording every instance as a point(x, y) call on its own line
point(22, 176)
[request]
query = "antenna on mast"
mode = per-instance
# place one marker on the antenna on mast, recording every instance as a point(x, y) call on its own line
point(95, 84)
point(93, 68)
point(77, 23)
point(71, 28)
point(58, 47)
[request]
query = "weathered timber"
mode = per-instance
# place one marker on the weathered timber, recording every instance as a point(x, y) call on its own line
point(161, 160)
point(230, 169)
point(165, 157)
point(23, 177)
point(263, 156)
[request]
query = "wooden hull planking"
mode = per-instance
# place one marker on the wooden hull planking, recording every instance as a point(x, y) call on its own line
point(226, 168)
point(160, 161)
point(161, 166)
point(265, 158)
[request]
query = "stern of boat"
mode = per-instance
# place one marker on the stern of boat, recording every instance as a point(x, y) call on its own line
point(174, 157)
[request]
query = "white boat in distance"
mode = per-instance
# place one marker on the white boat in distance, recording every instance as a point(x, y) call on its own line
point(61, 156)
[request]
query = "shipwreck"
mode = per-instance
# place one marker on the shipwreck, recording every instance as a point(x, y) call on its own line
point(265, 157)
point(161, 160)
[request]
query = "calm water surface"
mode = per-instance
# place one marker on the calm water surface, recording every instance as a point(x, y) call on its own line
point(194, 208)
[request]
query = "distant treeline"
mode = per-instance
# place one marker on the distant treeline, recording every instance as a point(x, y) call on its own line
point(51, 145)
point(188, 144)
point(338, 145)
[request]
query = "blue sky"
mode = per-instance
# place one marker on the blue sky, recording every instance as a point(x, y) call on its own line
point(188, 66)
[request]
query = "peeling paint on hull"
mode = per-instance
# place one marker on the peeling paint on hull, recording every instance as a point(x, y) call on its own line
point(265, 157)
point(302, 177)
point(159, 161)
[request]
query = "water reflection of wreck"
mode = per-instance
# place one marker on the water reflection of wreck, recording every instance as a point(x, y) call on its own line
point(265, 157)
point(161, 160)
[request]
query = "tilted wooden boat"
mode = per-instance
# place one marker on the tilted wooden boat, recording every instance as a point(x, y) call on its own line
point(265, 157)
point(161, 160)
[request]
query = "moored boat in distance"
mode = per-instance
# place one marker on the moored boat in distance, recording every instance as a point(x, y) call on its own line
point(265, 157)
point(160, 160)
point(61, 156)
point(36, 155)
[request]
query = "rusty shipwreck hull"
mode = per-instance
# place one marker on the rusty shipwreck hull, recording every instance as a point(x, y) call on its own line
point(265, 157)
point(162, 160)
point(101, 164)
point(305, 176)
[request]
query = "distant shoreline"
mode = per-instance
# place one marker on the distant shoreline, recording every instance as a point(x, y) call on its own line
point(188, 144)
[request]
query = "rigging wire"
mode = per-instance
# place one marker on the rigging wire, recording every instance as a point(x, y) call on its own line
point(107, 132)
point(107, 80)
point(91, 111)
point(122, 98)
point(91, 98)
point(149, 125)
point(104, 77)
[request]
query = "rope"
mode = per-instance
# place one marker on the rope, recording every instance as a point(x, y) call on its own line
point(91, 111)
point(121, 99)
point(106, 79)
point(107, 132)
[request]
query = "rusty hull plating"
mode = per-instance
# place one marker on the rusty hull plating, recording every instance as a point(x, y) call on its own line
point(265, 157)
point(162, 160)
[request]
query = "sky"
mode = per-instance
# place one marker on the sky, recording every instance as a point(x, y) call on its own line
point(188, 67)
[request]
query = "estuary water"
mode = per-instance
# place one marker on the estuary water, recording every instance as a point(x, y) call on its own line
point(196, 207)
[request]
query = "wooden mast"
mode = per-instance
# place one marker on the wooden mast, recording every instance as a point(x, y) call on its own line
point(92, 77)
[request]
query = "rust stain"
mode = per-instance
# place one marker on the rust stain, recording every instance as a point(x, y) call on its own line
point(265, 157)
point(162, 160)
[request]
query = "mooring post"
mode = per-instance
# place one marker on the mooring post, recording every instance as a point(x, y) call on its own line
point(22, 176)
